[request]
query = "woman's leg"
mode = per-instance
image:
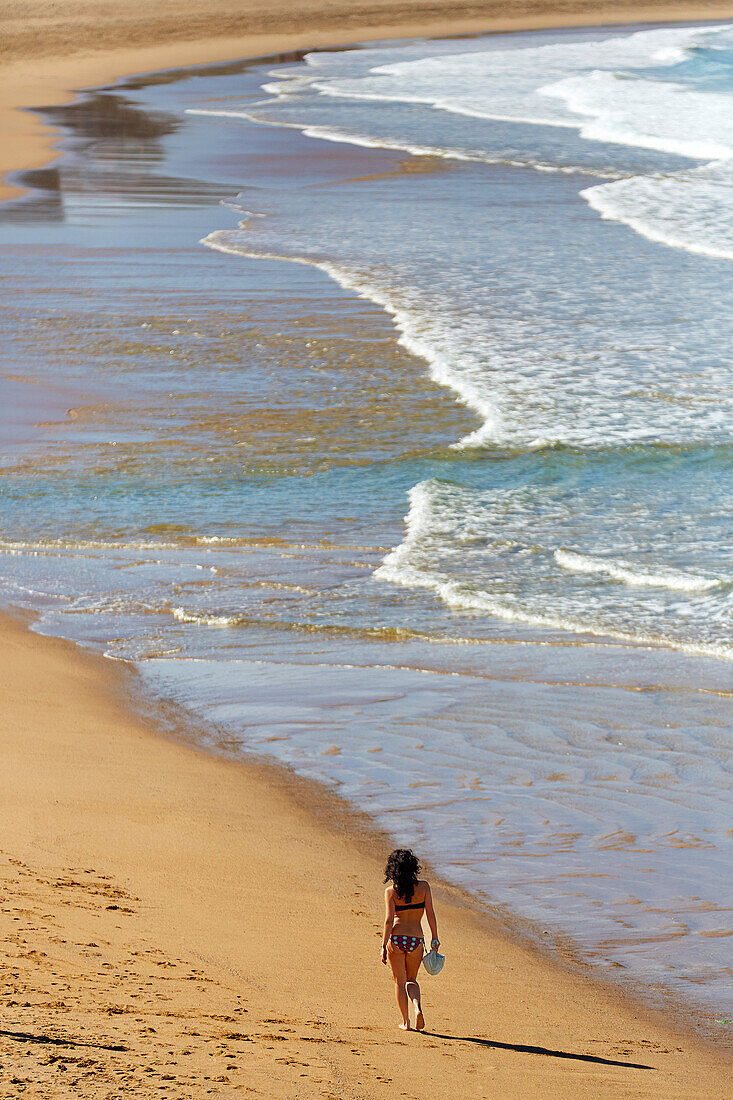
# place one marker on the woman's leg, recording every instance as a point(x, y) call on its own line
point(412, 965)
point(399, 973)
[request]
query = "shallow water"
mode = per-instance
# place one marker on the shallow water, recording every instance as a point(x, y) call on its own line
point(500, 625)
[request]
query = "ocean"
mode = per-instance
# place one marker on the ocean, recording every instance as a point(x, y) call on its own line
point(387, 431)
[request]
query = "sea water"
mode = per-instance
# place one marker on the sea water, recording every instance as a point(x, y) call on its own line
point(416, 472)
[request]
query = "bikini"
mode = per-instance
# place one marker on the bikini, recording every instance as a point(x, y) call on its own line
point(408, 943)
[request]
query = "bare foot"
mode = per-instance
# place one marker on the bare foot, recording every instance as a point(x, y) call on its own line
point(419, 1021)
point(404, 1027)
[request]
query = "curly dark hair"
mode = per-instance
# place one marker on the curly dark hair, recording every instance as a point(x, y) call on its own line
point(403, 869)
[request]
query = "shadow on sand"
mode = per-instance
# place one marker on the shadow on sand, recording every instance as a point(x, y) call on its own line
point(521, 1048)
point(55, 1040)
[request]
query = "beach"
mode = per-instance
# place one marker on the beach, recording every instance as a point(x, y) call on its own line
point(178, 925)
point(72, 45)
point(182, 915)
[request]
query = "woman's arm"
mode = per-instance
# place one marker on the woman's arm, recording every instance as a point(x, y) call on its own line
point(430, 914)
point(388, 922)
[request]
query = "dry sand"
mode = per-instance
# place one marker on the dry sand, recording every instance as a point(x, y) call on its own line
point(177, 925)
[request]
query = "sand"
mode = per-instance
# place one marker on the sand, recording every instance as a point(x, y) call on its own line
point(175, 924)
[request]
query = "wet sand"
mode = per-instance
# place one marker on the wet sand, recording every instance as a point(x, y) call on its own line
point(75, 44)
point(176, 922)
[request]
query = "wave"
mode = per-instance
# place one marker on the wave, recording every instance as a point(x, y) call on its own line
point(690, 210)
point(409, 565)
point(203, 619)
point(323, 133)
point(333, 630)
point(371, 141)
point(675, 580)
point(486, 366)
point(184, 543)
point(509, 382)
point(607, 89)
point(462, 597)
point(399, 634)
point(443, 370)
point(552, 85)
point(649, 114)
point(57, 546)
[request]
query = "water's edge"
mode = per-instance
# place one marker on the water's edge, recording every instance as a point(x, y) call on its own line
point(175, 723)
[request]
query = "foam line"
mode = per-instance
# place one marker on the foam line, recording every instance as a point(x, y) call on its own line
point(406, 565)
point(368, 141)
point(602, 88)
point(690, 210)
point(675, 580)
point(442, 369)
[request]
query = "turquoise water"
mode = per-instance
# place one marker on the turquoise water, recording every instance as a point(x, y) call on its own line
point(419, 478)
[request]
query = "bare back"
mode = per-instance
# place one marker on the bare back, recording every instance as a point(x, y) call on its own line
point(408, 915)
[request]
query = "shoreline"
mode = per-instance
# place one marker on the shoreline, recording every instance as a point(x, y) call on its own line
point(328, 818)
point(183, 841)
point(34, 76)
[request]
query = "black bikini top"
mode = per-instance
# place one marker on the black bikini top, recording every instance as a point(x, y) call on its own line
point(415, 905)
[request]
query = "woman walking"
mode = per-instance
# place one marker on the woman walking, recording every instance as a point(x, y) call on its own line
point(407, 900)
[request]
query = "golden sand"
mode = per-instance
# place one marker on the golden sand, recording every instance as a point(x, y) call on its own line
point(178, 925)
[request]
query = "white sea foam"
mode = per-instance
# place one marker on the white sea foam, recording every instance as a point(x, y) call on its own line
point(45, 546)
point(676, 580)
point(546, 85)
point(533, 380)
point(604, 88)
point(371, 141)
point(441, 516)
point(690, 210)
point(324, 133)
point(649, 114)
point(521, 379)
point(462, 597)
point(488, 363)
point(203, 619)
